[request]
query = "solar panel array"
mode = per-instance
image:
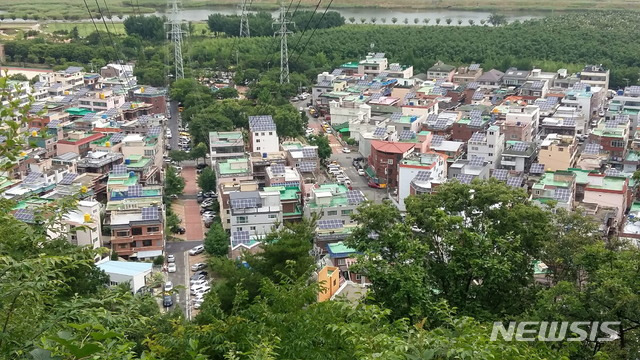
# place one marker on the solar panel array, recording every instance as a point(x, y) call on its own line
point(119, 169)
point(473, 85)
point(354, 197)
point(68, 178)
point(324, 83)
point(309, 153)
point(520, 146)
point(396, 116)
point(475, 113)
point(537, 85)
point(24, 215)
point(441, 124)
point(562, 194)
point(33, 129)
point(633, 90)
point(379, 55)
point(410, 95)
point(464, 178)
point(610, 124)
point(477, 136)
point(244, 203)
point(32, 177)
point(111, 112)
point(277, 169)
point(240, 237)
point(330, 224)
point(569, 122)
point(474, 67)
point(379, 132)
point(612, 172)
point(500, 174)
point(116, 138)
point(67, 99)
point(476, 161)
point(262, 123)
point(395, 67)
point(35, 108)
point(552, 100)
point(337, 72)
point(407, 135)
point(362, 84)
point(437, 140)
point(376, 85)
point(88, 117)
point(422, 175)
point(375, 97)
point(545, 106)
point(536, 168)
point(515, 181)
point(134, 191)
point(579, 86)
point(439, 82)
point(439, 91)
point(383, 74)
point(621, 118)
point(431, 118)
point(155, 131)
point(150, 213)
point(478, 95)
point(53, 124)
point(307, 166)
point(476, 122)
point(592, 148)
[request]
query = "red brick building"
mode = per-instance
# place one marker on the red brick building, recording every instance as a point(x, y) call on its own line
point(152, 96)
point(384, 159)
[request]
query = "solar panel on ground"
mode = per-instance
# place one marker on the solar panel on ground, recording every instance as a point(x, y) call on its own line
point(379, 131)
point(134, 190)
point(515, 181)
point(32, 177)
point(474, 67)
point(437, 140)
point(277, 169)
point(116, 138)
point(520, 146)
point(536, 168)
point(407, 135)
point(396, 116)
point(150, 213)
point(68, 178)
point(476, 161)
point(562, 194)
point(354, 197)
point(307, 166)
point(119, 169)
point(464, 178)
point(592, 148)
point(330, 224)
point(500, 174)
point(477, 136)
point(422, 175)
point(24, 215)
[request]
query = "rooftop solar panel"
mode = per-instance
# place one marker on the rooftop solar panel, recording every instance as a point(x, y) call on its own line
point(612, 172)
point(376, 85)
point(307, 166)
point(25, 215)
point(473, 85)
point(537, 85)
point(500, 174)
point(134, 191)
point(476, 161)
point(464, 178)
point(477, 136)
point(379, 55)
point(545, 106)
point(395, 67)
point(53, 124)
point(396, 116)
point(439, 82)
point(375, 97)
point(35, 108)
point(354, 197)
point(119, 169)
point(244, 203)
point(475, 122)
point(520, 146)
point(536, 168)
point(277, 169)
point(475, 113)
point(432, 118)
point(383, 74)
point(262, 123)
point(68, 178)
point(362, 83)
point(324, 83)
point(478, 95)
point(330, 224)
point(116, 138)
point(407, 135)
point(474, 67)
point(309, 152)
point(422, 175)
point(569, 122)
point(552, 100)
point(155, 131)
point(610, 124)
point(240, 237)
point(33, 177)
point(150, 213)
point(592, 148)
point(437, 140)
point(562, 194)
point(441, 123)
point(337, 72)
point(515, 181)
point(379, 132)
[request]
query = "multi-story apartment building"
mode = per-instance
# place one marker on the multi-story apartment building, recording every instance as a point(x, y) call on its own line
point(98, 162)
point(101, 100)
point(373, 64)
point(78, 142)
point(137, 232)
point(613, 136)
point(155, 97)
point(262, 134)
point(62, 82)
point(150, 145)
point(384, 159)
point(518, 156)
point(521, 123)
point(487, 145)
point(595, 75)
point(226, 145)
point(558, 152)
point(258, 212)
point(420, 173)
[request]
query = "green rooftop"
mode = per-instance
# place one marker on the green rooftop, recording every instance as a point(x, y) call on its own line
point(617, 132)
point(338, 195)
point(351, 65)
point(77, 111)
point(340, 248)
point(137, 161)
point(122, 180)
point(37, 202)
point(466, 121)
point(234, 166)
point(548, 179)
point(286, 192)
point(633, 156)
point(292, 145)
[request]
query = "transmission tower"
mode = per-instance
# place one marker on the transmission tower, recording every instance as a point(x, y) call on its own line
point(175, 35)
point(244, 19)
point(284, 51)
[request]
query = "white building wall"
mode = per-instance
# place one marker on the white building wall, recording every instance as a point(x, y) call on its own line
point(265, 142)
point(491, 151)
point(406, 174)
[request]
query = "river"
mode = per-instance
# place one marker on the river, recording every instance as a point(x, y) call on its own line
point(388, 14)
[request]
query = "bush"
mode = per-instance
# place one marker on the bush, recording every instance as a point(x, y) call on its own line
point(159, 260)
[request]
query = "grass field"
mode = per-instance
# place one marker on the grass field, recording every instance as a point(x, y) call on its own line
point(75, 9)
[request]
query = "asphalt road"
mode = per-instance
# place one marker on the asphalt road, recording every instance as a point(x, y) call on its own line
point(180, 278)
point(174, 124)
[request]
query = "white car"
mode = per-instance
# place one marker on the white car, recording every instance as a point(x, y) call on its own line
point(341, 178)
point(196, 250)
point(171, 258)
point(168, 286)
point(197, 303)
point(361, 172)
point(335, 171)
point(198, 283)
point(346, 150)
point(201, 291)
point(172, 267)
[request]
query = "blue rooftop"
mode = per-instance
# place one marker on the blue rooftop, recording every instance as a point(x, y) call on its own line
point(125, 267)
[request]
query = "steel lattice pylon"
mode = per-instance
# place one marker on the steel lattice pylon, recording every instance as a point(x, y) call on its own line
point(244, 20)
point(175, 35)
point(284, 51)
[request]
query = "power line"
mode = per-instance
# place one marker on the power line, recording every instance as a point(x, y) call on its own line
point(296, 9)
point(115, 44)
point(95, 26)
point(314, 31)
point(295, 47)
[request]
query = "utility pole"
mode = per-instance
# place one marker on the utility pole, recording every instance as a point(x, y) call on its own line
point(244, 19)
point(284, 51)
point(175, 34)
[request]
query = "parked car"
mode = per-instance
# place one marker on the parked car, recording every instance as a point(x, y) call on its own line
point(198, 283)
point(209, 213)
point(335, 172)
point(199, 293)
point(210, 194)
point(196, 250)
point(195, 289)
point(167, 301)
point(171, 258)
point(341, 178)
point(198, 266)
point(207, 202)
point(168, 286)
point(178, 168)
point(373, 185)
point(172, 267)
point(181, 230)
point(200, 197)
point(346, 150)
point(361, 172)
point(197, 303)
point(207, 218)
point(201, 166)
point(197, 277)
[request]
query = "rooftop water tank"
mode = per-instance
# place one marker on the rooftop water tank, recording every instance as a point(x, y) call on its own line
point(127, 161)
point(132, 174)
point(588, 88)
point(87, 218)
point(620, 92)
point(264, 155)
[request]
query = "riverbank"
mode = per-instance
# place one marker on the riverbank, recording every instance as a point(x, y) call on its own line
point(72, 9)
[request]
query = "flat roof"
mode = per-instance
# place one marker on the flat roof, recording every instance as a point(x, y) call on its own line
point(125, 267)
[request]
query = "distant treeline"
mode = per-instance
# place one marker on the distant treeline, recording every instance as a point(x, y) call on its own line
point(261, 24)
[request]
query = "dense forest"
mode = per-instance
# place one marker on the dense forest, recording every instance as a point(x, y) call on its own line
point(567, 41)
point(261, 23)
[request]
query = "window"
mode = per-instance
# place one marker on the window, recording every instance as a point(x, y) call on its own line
point(490, 154)
point(617, 143)
point(475, 148)
point(257, 140)
point(228, 221)
point(273, 216)
point(153, 229)
point(149, 153)
point(332, 212)
point(514, 136)
point(490, 132)
point(258, 148)
point(242, 219)
point(122, 233)
point(346, 212)
point(341, 262)
point(262, 134)
point(390, 161)
point(490, 146)
point(358, 277)
point(270, 132)
point(122, 246)
point(240, 229)
point(147, 243)
point(335, 282)
point(253, 228)
point(136, 231)
point(560, 149)
point(113, 283)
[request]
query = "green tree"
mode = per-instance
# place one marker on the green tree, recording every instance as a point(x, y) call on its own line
point(179, 155)
point(363, 20)
point(200, 151)
point(438, 21)
point(216, 242)
point(207, 180)
point(173, 183)
point(74, 34)
point(497, 19)
point(394, 19)
point(147, 27)
point(324, 148)
point(352, 19)
point(406, 21)
point(448, 21)
point(226, 93)
point(471, 22)
point(416, 21)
